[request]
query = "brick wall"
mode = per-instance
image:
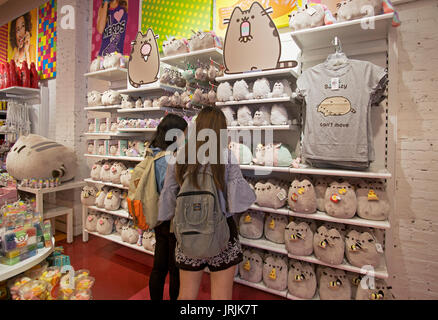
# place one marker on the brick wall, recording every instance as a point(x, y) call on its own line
point(413, 255)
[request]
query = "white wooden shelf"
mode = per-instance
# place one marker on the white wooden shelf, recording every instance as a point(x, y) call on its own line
point(120, 213)
point(261, 286)
point(347, 31)
point(271, 74)
point(7, 272)
point(117, 239)
point(254, 101)
point(264, 244)
point(64, 186)
point(287, 127)
point(156, 88)
point(164, 109)
point(21, 91)
point(103, 108)
point(203, 56)
point(137, 129)
point(112, 74)
point(106, 135)
point(355, 221)
point(380, 272)
point(120, 158)
point(109, 184)
point(265, 169)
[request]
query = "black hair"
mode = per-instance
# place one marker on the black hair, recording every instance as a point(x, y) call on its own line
point(13, 32)
point(169, 122)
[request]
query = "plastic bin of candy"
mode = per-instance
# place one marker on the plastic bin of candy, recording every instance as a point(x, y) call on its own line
point(18, 245)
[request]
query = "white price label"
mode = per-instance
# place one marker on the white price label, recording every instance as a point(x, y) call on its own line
point(281, 195)
point(334, 83)
point(311, 11)
point(379, 248)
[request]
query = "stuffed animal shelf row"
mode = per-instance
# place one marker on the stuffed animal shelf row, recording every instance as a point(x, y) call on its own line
point(105, 224)
point(110, 171)
point(172, 78)
point(260, 89)
point(123, 148)
point(273, 154)
point(103, 125)
point(147, 123)
point(304, 281)
point(337, 198)
point(264, 115)
point(107, 98)
point(329, 242)
point(199, 41)
point(113, 60)
point(111, 199)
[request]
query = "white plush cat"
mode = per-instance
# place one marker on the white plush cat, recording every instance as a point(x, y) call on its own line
point(225, 92)
point(94, 98)
point(230, 116)
point(241, 91)
point(262, 117)
point(261, 89)
point(281, 89)
point(111, 97)
point(279, 115)
point(244, 116)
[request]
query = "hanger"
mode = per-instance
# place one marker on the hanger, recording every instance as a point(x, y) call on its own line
point(338, 58)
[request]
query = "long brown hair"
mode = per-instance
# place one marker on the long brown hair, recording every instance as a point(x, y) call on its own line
point(208, 118)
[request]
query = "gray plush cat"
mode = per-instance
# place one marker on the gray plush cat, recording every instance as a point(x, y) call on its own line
point(301, 280)
point(129, 234)
point(362, 248)
point(88, 195)
point(372, 201)
point(91, 221)
point(275, 272)
point(251, 268)
point(381, 291)
point(334, 285)
point(274, 227)
point(100, 197)
point(302, 197)
point(105, 224)
point(298, 237)
point(321, 185)
point(113, 199)
point(251, 224)
point(328, 245)
point(340, 200)
point(119, 223)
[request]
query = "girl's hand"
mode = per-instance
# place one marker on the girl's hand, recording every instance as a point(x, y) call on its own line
point(27, 41)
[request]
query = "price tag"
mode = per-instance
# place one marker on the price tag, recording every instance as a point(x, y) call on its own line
point(202, 36)
point(334, 83)
point(311, 11)
point(281, 195)
point(379, 248)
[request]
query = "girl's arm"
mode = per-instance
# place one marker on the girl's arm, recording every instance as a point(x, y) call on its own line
point(101, 17)
point(167, 202)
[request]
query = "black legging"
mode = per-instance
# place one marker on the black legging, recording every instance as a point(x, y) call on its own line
point(164, 261)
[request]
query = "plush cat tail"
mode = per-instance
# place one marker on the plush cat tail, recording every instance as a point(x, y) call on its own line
point(287, 64)
point(328, 16)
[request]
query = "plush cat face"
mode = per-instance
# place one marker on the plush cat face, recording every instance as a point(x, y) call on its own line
point(262, 117)
point(148, 240)
point(275, 272)
point(251, 224)
point(91, 221)
point(88, 195)
point(301, 19)
point(381, 291)
point(105, 224)
point(298, 237)
point(302, 197)
point(278, 89)
point(120, 223)
point(224, 92)
point(113, 199)
point(129, 234)
point(321, 185)
point(116, 171)
point(94, 98)
point(328, 245)
point(261, 88)
point(251, 268)
point(301, 279)
point(334, 285)
point(252, 41)
point(274, 227)
point(340, 200)
point(362, 249)
point(244, 116)
point(372, 201)
point(111, 97)
point(95, 170)
point(144, 62)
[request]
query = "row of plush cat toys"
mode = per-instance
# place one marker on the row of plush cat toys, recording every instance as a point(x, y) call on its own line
point(260, 89)
point(105, 224)
point(264, 115)
point(339, 198)
point(304, 280)
point(113, 60)
point(313, 15)
point(199, 41)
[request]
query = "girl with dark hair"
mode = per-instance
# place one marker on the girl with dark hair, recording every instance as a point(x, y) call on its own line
point(20, 34)
point(164, 256)
point(112, 20)
point(235, 196)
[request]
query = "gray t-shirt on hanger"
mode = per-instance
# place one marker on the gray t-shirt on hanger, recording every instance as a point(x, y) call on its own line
point(337, 121)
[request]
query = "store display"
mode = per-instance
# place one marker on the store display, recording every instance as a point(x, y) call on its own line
point(148, 240)
point(302, 196)
point(88, 195)
point(251, 224)
point(301, 282)
point(372, 200)
point(333, 284)
point(321, 185)
point(362, 248)
point(101, 196)
point(116, 171)
point(340, 200)
point(329, 244)
point(129, 234)
point(279, 115)
point(309, 16)
point(381, 291)
point(275, 224)
point(271, 193)
point(244, 50)
point(105, 224)
point(298, 237)
point(144, 62)
point(91, 221)
point(225, 92)
point(251, 267)
point(111, 97)
point(262, 117)
point(275, 272)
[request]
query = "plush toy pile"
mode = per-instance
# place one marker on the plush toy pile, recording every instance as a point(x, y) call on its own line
point(113, 60)
point(274, 155)
point(108, 98)
point(309, 16)
point(199, 41)
point(264, 115)
point(124, 148)
point(259, 89)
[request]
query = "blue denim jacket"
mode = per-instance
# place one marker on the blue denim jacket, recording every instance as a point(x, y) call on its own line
point(160, 170)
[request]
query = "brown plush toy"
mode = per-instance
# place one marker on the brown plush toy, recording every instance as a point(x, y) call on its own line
point(251, 268)
point(381, 291)
point(88, 195)
point(362, 248)
point(334, 285)
point(302, 197)
point(328, 245)
point(301, 280)
point(372, 200)
point(275, 272)
point(251, 224)
point(274, 227)
point(298, 237)
point(340, 200)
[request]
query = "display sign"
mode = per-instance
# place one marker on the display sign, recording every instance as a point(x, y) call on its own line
point(47, 16)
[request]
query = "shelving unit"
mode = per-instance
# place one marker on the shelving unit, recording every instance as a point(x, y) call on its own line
point(255, 101)
point(109, 184)
point(119, 213)
point(120, 158)
point(272, 74)
point(137, 129)
point(117, 239)
point(202, 56)
point(106, 135)
point(103, 108)
point(112, 74)
point(287, 127)
point(152, 89)
point(21, 92)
